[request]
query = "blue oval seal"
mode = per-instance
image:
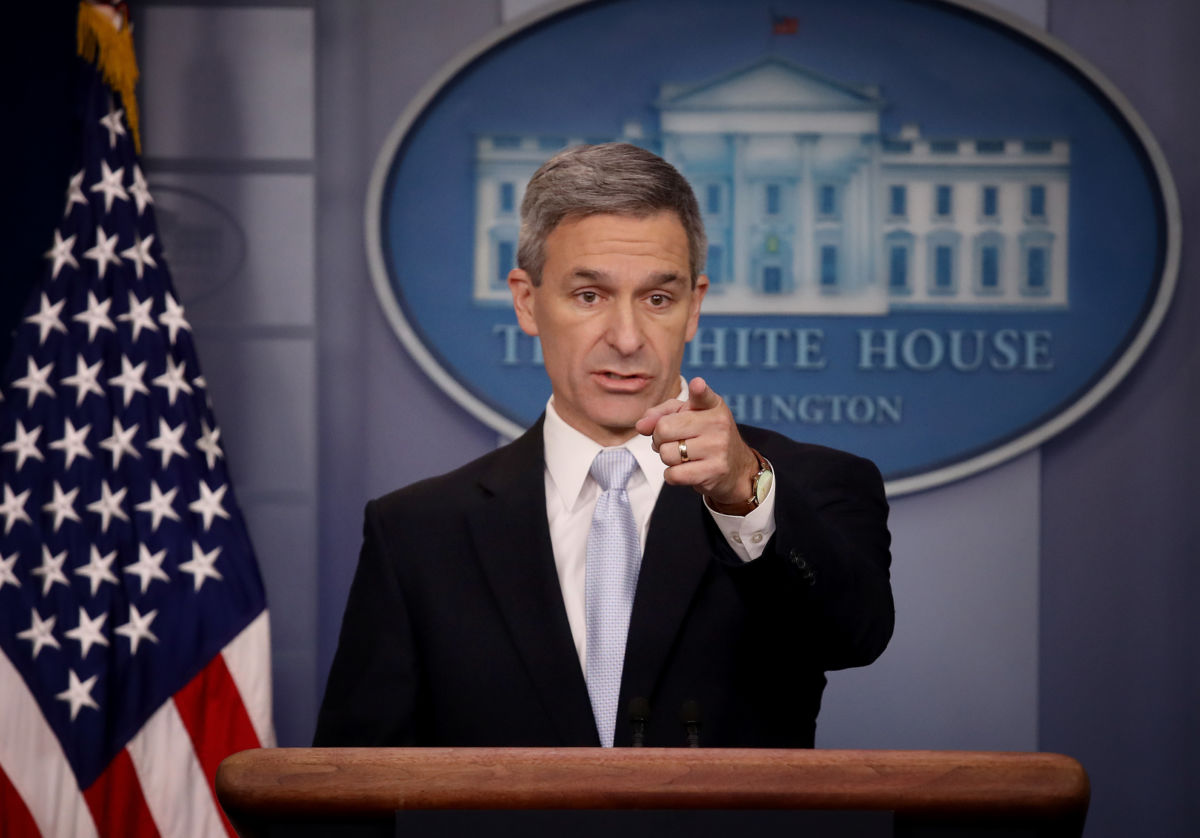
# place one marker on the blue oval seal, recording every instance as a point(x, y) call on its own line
point(937, 236)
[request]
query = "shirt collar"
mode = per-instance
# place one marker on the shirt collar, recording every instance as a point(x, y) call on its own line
point(569, 454)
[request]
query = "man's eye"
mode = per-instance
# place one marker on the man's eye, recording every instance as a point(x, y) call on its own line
point(659, 300)
point(588, 296)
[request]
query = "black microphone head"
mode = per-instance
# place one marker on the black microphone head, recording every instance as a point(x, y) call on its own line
point(689, 713)
point(639, 709)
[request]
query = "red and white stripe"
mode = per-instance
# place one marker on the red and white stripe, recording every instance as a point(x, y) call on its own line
point(162, 782)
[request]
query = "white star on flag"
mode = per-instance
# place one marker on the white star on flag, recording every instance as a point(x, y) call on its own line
point(201, 565)
point(208, 443)
point(159, 505)
point(130, 379)
point(109, 505)
point(113, 124)
point(35, 381)
point(7, 575)
point(47, 318)
point(173, 318)
point(209, 505)
point(139, 316)
point(103, 252)
point(140, 192)
point(98, 569)
point(79, 693)
point(148, 566)
point(63, 506)
point(110, 184)
point(121, 442)
point(51, 570)
point(61, 253)
point(139, 254)
point(138, 628)
point(169, 442)
point(96, 317)
point(84, 379)
point(89, 632)
point(75, 193)
point(24, 444)
point(13, 508)
point(173, 380)
point(73, 443)
point(40, 632)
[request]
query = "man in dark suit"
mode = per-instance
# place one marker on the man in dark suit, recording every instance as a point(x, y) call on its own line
point(749, 566)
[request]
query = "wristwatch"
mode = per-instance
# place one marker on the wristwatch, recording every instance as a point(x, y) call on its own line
point(760, 487)
point(761, 484)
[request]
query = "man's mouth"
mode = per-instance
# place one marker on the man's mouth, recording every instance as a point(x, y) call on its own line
point(620, 382)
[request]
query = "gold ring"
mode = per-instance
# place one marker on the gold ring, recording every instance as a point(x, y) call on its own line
point(683, 457)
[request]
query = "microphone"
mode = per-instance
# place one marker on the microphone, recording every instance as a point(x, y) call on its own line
point(689, 714)
point(639, 714)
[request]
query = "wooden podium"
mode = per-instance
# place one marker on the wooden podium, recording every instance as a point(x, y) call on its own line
point(935, 793)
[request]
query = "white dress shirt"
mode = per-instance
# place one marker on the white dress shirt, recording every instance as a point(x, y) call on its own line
point(571, 496)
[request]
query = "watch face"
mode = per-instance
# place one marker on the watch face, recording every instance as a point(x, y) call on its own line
point(762, 486)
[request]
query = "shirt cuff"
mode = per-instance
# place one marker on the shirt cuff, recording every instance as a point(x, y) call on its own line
point(747, 535)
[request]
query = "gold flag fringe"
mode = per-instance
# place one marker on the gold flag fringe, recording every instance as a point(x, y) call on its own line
point(110, 47)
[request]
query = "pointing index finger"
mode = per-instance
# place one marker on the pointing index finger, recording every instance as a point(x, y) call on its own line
point(701, 396)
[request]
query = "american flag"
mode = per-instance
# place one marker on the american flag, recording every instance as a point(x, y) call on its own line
point(784, 24)
point(133, 624)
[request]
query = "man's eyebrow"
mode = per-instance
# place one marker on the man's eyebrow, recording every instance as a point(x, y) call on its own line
point(658, 278)
point(589, 274)
point(666, 278)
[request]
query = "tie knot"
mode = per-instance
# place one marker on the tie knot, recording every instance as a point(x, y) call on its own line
point(612, 467)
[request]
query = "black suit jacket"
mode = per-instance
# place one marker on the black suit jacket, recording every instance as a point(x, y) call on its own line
point(455, 633)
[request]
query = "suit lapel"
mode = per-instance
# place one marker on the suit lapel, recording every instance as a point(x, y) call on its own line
point(512, 540)
point(676, 558)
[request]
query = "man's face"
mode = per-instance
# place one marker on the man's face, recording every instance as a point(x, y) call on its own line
point(613, 312)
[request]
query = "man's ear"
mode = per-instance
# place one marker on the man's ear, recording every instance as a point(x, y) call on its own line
point(520, 284)
point(694, 305)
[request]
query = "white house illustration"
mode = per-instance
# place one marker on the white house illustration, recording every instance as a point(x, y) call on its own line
point(810, 209)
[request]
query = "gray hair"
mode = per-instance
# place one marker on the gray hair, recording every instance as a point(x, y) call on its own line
point(616, 178)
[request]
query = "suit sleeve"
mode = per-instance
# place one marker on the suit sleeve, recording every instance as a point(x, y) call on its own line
point(825, 575)
point(371, 697)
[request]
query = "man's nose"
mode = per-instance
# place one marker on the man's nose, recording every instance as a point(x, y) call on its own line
point(624, 329)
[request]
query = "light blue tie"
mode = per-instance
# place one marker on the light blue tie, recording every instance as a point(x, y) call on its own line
point(613, 560)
